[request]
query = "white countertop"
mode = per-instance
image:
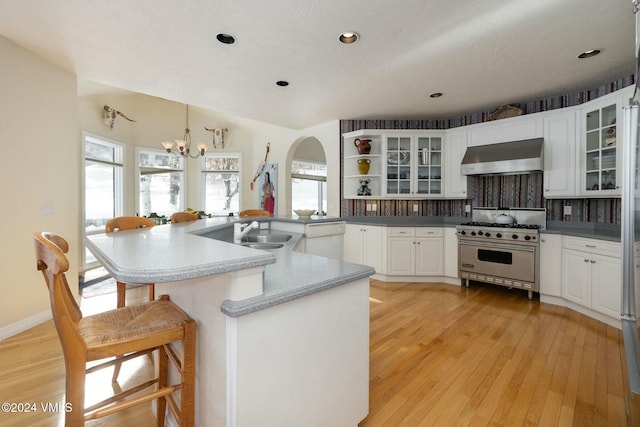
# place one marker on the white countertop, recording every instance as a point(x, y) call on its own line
point(170, 253)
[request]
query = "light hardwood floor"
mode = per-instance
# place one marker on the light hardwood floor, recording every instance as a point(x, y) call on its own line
point(440, 355)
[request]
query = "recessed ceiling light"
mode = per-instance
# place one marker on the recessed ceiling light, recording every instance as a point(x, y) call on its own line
point(436, 95)
point(226, 38)
point(348, 37)
point(589, 53)
point(282, 83)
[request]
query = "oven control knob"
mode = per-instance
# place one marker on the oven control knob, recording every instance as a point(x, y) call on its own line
point(462, 232)
point(480, 233)
point(498, 235)
point(515, 236)
point(527, 237)
point(473, 233)
point(487, 234)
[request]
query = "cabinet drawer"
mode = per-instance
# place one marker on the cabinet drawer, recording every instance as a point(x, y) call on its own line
point(401, 231)
point(601, 247)
point(429, 232)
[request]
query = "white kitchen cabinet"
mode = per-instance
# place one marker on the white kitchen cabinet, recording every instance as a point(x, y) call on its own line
point(560, 173)
point(505, 130)
point(415, 251)
point(592, 274)
point(456, 146)
point(364, 245)
point(551, 264)
point(600, 142)
point(413, 164)
point(450, 252)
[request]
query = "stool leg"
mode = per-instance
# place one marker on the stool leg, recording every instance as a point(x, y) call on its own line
point(122, 293)
point(122, 296)
point(163, 378)
point(187, 395)
point(75, 386)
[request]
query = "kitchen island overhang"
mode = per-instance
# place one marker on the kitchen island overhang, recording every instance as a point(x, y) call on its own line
point(273, 327)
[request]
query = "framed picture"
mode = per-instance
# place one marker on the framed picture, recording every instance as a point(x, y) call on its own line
point(268, 188)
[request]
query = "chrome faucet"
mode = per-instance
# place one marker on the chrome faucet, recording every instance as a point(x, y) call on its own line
point(240, 230)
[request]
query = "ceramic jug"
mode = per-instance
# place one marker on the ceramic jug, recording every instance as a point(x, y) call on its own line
point(363, 166)
point(363, 145)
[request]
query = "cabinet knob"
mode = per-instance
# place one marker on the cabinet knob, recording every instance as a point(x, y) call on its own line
point(593, 262)
point(586, 260)
point(542, 240)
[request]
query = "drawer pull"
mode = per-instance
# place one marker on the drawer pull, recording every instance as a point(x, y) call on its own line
point(590, 246)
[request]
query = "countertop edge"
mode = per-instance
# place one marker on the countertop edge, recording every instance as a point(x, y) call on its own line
point(247, 306)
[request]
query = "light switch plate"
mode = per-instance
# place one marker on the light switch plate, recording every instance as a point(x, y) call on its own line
point(467, 208)
point(368, 207)
point(567, 210)
point(415, 208)
point(374, 207)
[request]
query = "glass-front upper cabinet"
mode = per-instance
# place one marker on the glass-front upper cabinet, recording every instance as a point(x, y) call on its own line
point(601, 148)
point(398, 164)
point(413, 165)
point(429, 165)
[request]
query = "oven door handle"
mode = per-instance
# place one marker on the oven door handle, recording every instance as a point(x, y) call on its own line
point(523, 248)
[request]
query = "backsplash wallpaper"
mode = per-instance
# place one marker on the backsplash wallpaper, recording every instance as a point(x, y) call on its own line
point(523, 191)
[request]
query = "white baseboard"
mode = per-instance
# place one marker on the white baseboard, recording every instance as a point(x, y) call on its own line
point(24, 324)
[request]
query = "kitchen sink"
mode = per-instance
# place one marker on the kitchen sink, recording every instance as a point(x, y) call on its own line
point(256, 245)
point(266, 238)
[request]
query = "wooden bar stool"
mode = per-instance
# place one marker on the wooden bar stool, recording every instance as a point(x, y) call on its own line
point(129, 223)
point(131, 331)
point(183, 217)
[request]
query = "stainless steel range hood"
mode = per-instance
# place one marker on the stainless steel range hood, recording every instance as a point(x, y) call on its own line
point(505, 158)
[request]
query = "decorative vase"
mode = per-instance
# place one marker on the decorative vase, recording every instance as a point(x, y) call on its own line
point(363, 145)
point(363, 166)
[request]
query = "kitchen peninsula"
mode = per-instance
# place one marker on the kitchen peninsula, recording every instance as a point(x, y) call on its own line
point(283, 336)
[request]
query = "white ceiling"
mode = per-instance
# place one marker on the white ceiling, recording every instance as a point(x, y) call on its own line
point(479, 53)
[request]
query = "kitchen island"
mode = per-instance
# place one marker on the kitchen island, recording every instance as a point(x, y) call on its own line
point(283, 337)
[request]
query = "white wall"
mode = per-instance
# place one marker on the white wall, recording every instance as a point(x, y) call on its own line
point(39, 177)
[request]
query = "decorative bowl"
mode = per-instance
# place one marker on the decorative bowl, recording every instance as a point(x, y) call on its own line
point(304, 213)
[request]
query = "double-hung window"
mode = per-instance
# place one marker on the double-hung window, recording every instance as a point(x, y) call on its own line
point(221, 183)
point(103, 185)
point(161, 182)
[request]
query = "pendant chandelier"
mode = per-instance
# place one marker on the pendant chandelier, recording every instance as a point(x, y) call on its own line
point(182, 146)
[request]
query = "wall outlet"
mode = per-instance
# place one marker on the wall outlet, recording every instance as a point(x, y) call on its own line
point(415, 208)
point(368, 207)
point(567, 210)
point(264, 225)
point(467, 208)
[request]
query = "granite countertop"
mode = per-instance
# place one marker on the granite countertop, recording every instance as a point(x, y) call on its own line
point(169, 253)
point(609, 232)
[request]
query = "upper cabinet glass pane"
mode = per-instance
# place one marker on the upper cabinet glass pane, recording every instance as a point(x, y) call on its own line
point(609, 115)
point(593, 120)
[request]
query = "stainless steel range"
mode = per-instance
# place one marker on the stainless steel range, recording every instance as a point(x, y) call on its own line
point(501, 246)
